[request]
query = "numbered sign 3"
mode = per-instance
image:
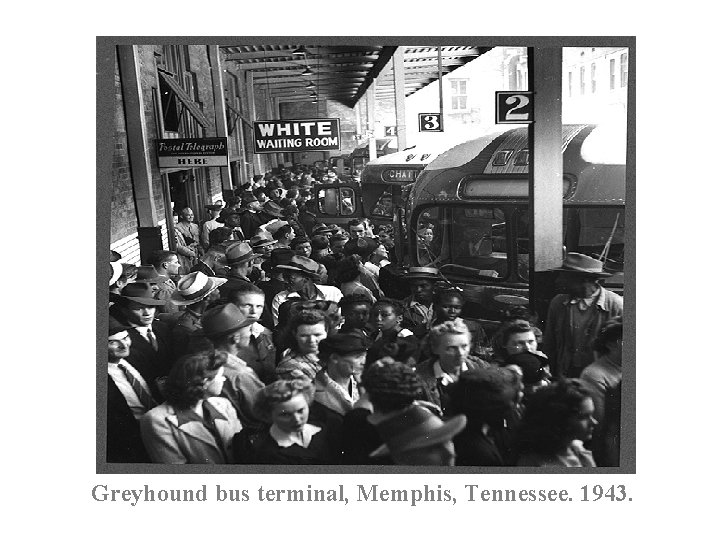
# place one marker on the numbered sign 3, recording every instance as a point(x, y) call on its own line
point(513, 107)
point(430, 121)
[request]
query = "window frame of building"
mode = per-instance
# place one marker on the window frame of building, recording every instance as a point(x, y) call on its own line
point(593, 78)
point(612, 74)
point(582, 80)
point(570, 80)
point(458, 98)
point(623, 70)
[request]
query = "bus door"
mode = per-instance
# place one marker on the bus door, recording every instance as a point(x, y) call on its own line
point(337, 203)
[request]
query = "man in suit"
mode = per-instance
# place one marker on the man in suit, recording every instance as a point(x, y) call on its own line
point(128, 399)
point(151, 354)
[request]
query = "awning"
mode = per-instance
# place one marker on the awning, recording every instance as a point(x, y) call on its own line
point(186, 100)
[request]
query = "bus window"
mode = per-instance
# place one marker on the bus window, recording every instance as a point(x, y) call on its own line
point(347, 206)
point(328, 201)
point(473, 237)
point(596, 232)
point(383, 205)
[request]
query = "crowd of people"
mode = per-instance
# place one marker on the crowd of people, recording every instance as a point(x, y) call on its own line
point(268, 337)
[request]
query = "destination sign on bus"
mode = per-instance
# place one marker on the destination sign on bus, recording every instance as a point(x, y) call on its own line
point(205, 152)
point(401, 176)
point(296, 135)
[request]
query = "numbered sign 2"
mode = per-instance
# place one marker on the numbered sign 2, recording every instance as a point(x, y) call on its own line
point(513, 107)
point(430, 121)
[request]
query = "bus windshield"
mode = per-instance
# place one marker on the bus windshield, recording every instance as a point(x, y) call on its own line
point(494, 241)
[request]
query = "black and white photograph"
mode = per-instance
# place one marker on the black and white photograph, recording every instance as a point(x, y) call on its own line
point(366, 254)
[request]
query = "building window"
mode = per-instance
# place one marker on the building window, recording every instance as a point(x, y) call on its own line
point(168, 101)
point(458, 95)
point(612, 74)
point(623, 70)
point(569, 83)
point(582, 80)
point(593, 81)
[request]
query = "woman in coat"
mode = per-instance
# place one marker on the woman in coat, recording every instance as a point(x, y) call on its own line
point(194, 424)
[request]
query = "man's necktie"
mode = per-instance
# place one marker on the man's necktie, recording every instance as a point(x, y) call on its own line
point(152, 339)
point(142, 394)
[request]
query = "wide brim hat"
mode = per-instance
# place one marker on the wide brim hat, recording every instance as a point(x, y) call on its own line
point(272, 208)
point(322, 229)
point(116, 271)
point(147, 273)
point(223, 320)
point(140, 293)
point(194, 287)
point(214, 206)
point(240, 252)
point(422, 272)
point(578, 263)
point(301, 264)
point(412, 428)
point(274, 226)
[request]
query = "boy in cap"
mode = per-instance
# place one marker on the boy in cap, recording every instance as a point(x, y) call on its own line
point(226, 328)
point(418, 307)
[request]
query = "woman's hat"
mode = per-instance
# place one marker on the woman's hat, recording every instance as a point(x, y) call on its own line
point(222, 320)
point(115, 326)
point(140, 293)
point(346, 343)
point(194, 287)
point(391, 378)
point(146, 273)
point(422, 272)
point(578, 263)
point(116, 270)
point(301, 264)
point(239, 252)
point(361, 246)
point(412, 428)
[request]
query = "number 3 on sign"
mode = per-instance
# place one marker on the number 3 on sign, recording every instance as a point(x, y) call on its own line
point(513, 107)
point(430, 122)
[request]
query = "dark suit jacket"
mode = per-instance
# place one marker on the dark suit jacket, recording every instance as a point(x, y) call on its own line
point(150, 363)
point(124, 444)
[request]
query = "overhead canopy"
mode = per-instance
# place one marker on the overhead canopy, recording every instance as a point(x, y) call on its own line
point(342, 73)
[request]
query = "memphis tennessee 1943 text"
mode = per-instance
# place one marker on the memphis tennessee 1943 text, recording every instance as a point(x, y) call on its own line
point(337, 494)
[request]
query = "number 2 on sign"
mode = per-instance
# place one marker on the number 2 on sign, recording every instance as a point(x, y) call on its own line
point(522, 102)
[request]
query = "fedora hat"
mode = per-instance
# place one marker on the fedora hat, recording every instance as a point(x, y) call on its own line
point(273, 208)
point(422, 272)
point(222, 320)
point(578, 263)
point(214, 206)
point(321, 229)
point(412, 428)
point(115, 326)
point(278, 256)
point(274, 226)
point(239, 252)
point(262, 239)
point(194, 287)
point(301, 264)
point(225, 213)
point(140, 293)
point(116, 270)
point(146, 273)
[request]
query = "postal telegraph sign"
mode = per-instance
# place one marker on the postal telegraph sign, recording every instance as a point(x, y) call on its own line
point(430, 121)
point(513, 107)
point(296, 135)
point(208, 152)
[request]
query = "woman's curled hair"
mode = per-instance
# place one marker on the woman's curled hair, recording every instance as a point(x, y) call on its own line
point(281, 391)
point(448, 327)
point(185, 384)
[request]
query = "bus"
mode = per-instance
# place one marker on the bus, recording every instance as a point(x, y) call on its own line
point(468, 213)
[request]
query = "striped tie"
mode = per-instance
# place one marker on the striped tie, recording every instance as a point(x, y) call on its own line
point(152, 339)
point(142, 394)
